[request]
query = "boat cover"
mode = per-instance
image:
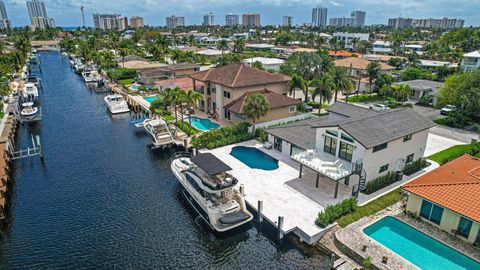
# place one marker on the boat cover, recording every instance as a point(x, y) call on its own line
point(210, 163)
point(233, 218)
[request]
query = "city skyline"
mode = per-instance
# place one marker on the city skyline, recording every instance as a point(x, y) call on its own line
point(67, 13)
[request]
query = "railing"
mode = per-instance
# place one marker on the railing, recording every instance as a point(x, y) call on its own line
point(180, 154)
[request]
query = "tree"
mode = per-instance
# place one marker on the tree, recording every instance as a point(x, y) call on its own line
point(414, 73)
point(311, 66)
point(324, 88)
point(296, 82)
point(373, 71)
point(341, 80)
point(123, 53)
point(169, 97)
point(239, 45)
point(258, 65)
point(256, 106)
point(463, 91)
point(191, 98)
point(223, 45)
point(382, 81)
point(229, 59)
point(401, 91)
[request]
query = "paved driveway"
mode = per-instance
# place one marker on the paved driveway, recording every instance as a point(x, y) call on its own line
point(436, 143)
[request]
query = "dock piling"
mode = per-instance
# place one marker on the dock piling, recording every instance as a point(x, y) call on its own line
point(280, 225)
point(242, 190)
point(260, 210)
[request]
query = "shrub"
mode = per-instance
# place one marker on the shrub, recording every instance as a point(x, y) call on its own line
point(336, 211)
point(415, 166)
point(364, 98)
point(121, 73)
point(379, 183)
point(185, 127)
point(222, 136)
point(261, 135)
point(125, 82)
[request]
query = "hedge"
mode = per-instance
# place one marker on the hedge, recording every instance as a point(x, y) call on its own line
point(185, 127)
point(415, 166)
point(222, 136)
point(121, 73)
point(379, 183)
point(336, 211)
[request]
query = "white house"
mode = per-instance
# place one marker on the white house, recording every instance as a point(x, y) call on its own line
point(347, 38)
point(267, 63)
point(381, 46)
point(354, 144)
point(471, 61)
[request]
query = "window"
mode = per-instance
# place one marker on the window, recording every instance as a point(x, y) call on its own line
point(227, 114)
point(464, 227)
point(380, 147)
point(332, 132)
point(384, 168)
point(347, 138)
point(277, 144)
point(226, 94)
point(431, 212)
point(295, 150)
point(346, 151)
point(330, 145)
point(409, 158)
point(407, 138)
point(292, 109)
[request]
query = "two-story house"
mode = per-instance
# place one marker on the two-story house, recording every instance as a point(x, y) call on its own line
point(226, 84)
point(471, 61)
point(350, 136)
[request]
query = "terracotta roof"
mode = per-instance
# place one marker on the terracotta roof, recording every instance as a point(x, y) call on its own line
point(455, 185)
point(274, 99)
point(344, 54)
point(182, 83)
point(238, 75)
point(358, 63)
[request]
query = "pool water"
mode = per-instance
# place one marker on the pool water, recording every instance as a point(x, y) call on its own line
point(151, 99)
point(417, 247)
point(254, 158)
point(203, 124)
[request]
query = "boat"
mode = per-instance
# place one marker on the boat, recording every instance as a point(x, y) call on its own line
point(30, 92)
point(116, 104)
point(35, 80)
point(210, 189)
point(137, 123)
point(79, 67)
point(91, 76)
point(158, 132)
point(28, 110)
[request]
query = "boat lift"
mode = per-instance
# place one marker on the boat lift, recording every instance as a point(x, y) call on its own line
point(35, 150)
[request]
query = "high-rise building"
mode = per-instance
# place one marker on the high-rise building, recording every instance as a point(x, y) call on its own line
point(341, 21)
point(38, 15)
point(251, 19)
point(209, 19)
point(444, 23)
point(110, 21)
point(287, 21)
point(174, 21)
point(319, 16)
point(358, 17)
point(136, 22)
point(4, 21)
point(232, 20)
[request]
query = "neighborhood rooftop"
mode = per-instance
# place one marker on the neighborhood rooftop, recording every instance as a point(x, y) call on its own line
point(455, 185)
point(359, 63)
point(275, 100)
point(423, 85)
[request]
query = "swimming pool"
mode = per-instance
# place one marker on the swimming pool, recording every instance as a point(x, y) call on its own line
point(417, 247)
point(254, 158)
point(203, 124)
point(151, 99)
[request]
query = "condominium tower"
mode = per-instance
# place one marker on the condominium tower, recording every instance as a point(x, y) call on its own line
point(38, 15)
point(287, 21)
point(358, 17)
point(136, 22)
point(209, 19)
point(444, 23)
point(319, 16)
point(174, 21)
point(4, 21)
point(251, 19)
point(232, 20)
point(110, 21)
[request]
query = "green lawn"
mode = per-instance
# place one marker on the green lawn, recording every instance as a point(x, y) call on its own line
point(453, 152)
point(371, 207)
point(365, 98)
point(126, 82)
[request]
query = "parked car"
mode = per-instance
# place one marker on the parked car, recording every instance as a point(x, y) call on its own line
point(308, 107)
point(447, 110)
point(378, 107)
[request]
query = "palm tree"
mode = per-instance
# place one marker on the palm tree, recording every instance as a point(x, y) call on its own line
point(323, 88)
point(255, 106)
point(123, 53)
point(296, 82)
point(239, 45)
point(341, 80)
point(180, 98)
point(169, 97)
point(223, 45)
point(401, 91)
point(373, 71)
point(191, 98)
point(3, 45)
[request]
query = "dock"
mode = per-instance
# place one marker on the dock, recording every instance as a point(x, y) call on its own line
point(8, 128)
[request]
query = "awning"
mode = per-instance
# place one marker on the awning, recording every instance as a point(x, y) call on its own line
point(210, 164)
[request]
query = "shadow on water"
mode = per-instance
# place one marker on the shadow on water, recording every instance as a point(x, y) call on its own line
point(105, 200)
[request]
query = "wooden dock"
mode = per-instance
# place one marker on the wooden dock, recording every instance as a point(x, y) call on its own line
point(8, 128)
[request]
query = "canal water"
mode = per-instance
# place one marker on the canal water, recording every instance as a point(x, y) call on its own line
point(104, 200)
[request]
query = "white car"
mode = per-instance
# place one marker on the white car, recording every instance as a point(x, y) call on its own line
point(378, 107)
point(447, 110)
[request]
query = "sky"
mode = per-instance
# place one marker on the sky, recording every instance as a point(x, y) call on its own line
point(67, 12)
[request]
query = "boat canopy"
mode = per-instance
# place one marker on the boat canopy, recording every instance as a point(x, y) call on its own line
point(210, 163)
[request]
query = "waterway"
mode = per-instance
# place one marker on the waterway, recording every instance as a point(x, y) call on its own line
point(104, 199)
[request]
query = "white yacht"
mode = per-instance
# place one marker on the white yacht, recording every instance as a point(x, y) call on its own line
point(79, 67)
point(28, 109)
point(158, 132)
point(91, 76)
point(35, 80)
point(210, 189)
point(116, 104)
point(30, 92)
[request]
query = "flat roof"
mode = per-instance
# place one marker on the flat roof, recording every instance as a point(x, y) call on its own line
point(210, 163)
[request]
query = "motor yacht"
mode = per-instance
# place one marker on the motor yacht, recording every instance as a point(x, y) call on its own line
point(28, 110)
point(210, 189)
point(158, 132)
point(30, 92)
point(35, 80)
point(116, 104)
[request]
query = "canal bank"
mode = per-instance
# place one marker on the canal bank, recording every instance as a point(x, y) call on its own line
point(103, 199)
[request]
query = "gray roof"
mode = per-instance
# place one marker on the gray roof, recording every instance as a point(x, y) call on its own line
point(299, 133)
point(350, 110)
point(423, 85)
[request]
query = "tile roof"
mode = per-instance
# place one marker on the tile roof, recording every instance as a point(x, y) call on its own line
point(299, 133)
point(182, 83)
point(238, 75)
point(274, 99)
point(344, 54)
point(358, 63)
point(455, 185)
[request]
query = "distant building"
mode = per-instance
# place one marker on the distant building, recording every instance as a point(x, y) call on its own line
point(232, 20)
point(287, 21)
point(319, 16)
point(347, 38)
point(471, 61)
point(209, 19)
point(174, 21)
point(110, 22)
point(444, 23)
point(340, 22)
point(5, 23)
point(136, 22)
point(358, 17)
point(38, 15)
point(251, 19)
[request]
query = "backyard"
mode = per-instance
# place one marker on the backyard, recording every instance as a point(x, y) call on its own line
point(453, 152)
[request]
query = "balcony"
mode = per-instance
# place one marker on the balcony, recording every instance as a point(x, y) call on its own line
point(325, 164)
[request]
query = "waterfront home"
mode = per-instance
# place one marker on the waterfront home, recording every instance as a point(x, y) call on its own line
point(353, 141)
point(471, 61)
point(183, 83)
point(381, 46)
point(423, 88)
point(449, 198)
point(225, 84)
point(179, 70)
point(46, 45)
point(267, 63)
point(140, 64)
